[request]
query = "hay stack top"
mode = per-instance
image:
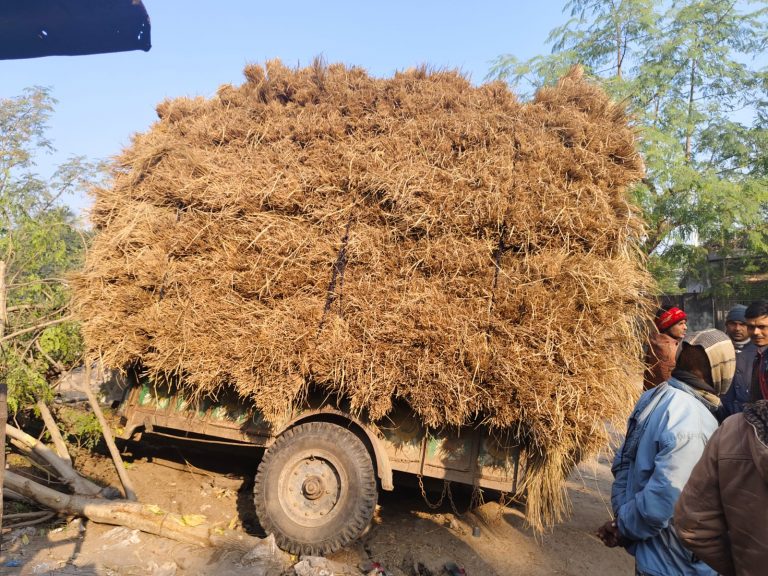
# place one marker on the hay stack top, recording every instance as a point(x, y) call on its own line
point(414, 237)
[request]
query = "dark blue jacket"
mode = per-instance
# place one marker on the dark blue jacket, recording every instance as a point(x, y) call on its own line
point(739, 392)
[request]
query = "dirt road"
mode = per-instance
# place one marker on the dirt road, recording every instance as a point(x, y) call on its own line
point(405, 537)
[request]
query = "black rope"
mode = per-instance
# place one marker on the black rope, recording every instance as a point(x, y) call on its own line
point(337, 276)
point(500, 249)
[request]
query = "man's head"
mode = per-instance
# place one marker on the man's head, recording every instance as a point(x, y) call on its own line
point(671, 321)
point(756, 319)
point(710, 355)
point(735, 324)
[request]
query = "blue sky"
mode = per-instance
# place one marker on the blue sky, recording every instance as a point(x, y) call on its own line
point(197, 46)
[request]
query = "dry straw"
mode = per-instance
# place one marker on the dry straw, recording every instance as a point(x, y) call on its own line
point(414, 239)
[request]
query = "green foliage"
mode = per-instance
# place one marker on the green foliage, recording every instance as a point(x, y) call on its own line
point(79, 425)
point(686, 71)
point(26, 380)
point(62, 342)
point(39, 243)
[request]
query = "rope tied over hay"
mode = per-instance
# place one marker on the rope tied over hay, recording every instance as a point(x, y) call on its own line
point(337, 274)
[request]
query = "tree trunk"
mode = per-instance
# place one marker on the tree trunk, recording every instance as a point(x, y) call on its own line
point(3, 390)
point(3, 300)
point(618, 34)
point(144, 517)
point(3, 420)
point(53, 430)
point(689, 128)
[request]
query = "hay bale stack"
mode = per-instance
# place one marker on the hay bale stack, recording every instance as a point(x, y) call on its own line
point(412, 238)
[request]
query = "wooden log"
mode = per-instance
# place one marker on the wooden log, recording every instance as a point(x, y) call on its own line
point(62, 468)
point(34, 460)
point(148, 518)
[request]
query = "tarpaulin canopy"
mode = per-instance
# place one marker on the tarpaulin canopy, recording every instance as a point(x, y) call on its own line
point(34, 28)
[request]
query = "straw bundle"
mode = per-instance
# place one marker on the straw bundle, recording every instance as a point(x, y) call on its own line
point(412, 238)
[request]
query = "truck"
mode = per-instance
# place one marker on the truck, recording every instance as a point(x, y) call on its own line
point(316, 487)
point(461, 266)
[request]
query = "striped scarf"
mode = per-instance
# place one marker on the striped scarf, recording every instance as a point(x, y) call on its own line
point(721, 355)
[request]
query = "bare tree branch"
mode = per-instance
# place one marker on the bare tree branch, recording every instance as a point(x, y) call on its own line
point(36, 327)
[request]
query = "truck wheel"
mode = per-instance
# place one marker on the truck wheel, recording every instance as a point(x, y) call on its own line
point(315, 489)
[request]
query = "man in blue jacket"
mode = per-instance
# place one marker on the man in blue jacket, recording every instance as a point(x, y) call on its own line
point(666, 435)
point(739, 392)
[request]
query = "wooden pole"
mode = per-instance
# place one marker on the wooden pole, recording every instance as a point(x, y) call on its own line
point(3, 420)
point(130, 493)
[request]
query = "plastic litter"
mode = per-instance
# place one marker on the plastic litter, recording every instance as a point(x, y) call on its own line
point(454, 569)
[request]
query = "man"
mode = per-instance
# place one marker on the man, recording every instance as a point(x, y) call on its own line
point(739, 392)
point(736, 326)
point(672, 324)
point(720, 515)
point(756, 318)
point(666, 435)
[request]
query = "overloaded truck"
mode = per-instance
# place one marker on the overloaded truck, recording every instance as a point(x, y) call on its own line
point(368, 276)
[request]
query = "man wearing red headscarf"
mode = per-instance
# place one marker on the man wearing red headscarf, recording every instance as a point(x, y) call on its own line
point(664, 345)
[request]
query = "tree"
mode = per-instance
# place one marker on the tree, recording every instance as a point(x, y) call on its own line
point(39, 243)
point(685, 70)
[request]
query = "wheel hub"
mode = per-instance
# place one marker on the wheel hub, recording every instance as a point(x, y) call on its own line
point(311, 488)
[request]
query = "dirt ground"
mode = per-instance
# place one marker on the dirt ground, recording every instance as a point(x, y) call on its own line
point(407, 536)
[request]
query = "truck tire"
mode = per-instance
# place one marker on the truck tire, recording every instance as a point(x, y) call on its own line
point(315, 489)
